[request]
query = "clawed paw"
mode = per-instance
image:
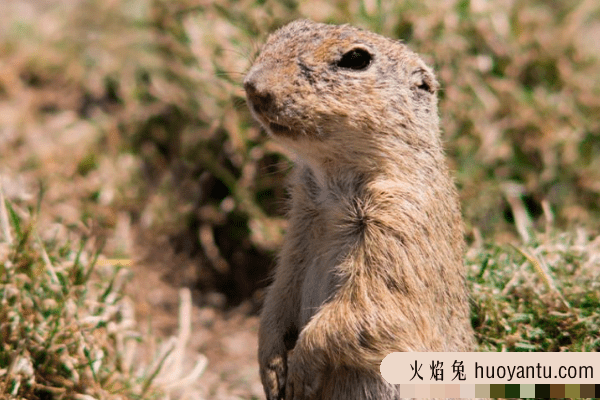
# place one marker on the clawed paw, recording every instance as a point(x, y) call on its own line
point(302, 381)
point(273, 375)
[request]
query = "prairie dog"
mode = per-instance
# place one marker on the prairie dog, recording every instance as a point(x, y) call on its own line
point(373, 259)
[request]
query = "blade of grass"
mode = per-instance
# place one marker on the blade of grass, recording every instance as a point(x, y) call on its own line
point(47, 261)
point(16, 221)
point(4, 216)
point(541, 271)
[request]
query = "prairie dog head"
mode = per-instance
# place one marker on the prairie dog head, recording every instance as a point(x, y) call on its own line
point(338, 90)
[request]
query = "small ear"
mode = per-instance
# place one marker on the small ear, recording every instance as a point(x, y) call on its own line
point(423, 79)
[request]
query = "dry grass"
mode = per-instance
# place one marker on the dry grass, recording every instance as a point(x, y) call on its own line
point(67, 331)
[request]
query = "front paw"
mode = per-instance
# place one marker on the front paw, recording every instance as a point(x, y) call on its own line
point(303, 380)
point(273, 372)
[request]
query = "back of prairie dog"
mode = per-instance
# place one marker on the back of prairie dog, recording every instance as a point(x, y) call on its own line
point(372, 261)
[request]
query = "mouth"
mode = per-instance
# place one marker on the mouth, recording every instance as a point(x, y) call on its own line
point(280, 130)
point(272, 127)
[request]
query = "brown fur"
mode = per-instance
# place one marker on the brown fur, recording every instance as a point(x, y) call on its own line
point(372, 262)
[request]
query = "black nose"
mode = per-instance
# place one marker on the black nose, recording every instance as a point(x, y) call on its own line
point(260, 101)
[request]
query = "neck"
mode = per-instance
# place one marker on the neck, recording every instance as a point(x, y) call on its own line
point(393, 161)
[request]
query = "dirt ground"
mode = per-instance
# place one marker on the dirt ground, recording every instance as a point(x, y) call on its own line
point(228, 339)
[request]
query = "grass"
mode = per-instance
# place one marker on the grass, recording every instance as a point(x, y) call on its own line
point(61, 328)
point(539, 294)
point(67, 329)
point(144, 96)
point(539, 297)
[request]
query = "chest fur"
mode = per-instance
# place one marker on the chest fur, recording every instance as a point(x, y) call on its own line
point(334, 231)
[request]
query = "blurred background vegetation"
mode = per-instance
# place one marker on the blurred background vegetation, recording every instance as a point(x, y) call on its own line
point(155, 85)
point(128, 118)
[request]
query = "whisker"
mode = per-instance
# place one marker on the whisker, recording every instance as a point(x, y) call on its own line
point(228, 73)
point(239, 103)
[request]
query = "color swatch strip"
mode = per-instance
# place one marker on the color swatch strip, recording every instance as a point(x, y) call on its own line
point(540, 391)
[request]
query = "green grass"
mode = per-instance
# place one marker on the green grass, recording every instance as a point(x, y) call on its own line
point(543, 296)
point(67, 326)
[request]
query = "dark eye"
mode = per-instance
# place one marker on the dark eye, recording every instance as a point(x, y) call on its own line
point(356, 59)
